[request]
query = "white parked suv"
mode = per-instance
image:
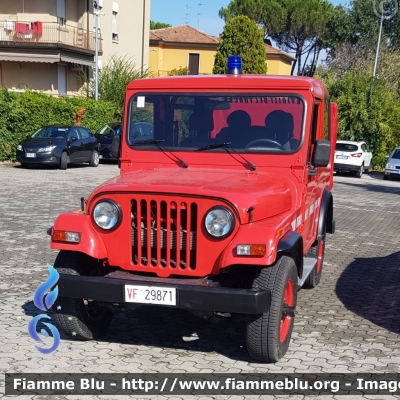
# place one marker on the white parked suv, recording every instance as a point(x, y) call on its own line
point(352, 157)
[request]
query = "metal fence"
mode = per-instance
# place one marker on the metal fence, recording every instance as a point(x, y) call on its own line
point(47, 32)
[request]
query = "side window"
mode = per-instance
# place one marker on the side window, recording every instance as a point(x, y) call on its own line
point(314, 131)
point(84, 133)
point(363, 147)
point(327, 134)
point(74, 133)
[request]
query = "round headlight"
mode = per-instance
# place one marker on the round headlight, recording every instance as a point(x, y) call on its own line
point(219, 222)
point(106, 214)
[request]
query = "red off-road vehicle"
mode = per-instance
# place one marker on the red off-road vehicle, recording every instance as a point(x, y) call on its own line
point(223, 209)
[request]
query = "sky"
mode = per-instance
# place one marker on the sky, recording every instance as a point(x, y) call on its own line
point(174, 12)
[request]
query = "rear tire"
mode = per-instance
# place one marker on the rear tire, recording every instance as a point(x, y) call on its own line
point(359, 173)
point(268, 335)
point(317, 251)
point(64, 160)
point(95, 159)
point(76, 319)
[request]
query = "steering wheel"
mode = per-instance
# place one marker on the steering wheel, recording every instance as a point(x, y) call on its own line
point(253, 142)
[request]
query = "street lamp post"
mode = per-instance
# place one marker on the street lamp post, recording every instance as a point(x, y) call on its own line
point(96, 51)
point(378, 45)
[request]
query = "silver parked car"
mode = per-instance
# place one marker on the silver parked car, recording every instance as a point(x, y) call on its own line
point(393, 164)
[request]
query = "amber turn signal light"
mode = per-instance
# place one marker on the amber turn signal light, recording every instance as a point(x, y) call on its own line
point(251, 249)
point(64, 236)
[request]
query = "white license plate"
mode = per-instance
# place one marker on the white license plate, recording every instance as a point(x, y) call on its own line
point(150, 295)
point(100, 156)
point(30, 155)
point(342, 157)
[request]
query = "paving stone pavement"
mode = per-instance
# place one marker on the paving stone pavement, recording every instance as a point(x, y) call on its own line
point(349, 323)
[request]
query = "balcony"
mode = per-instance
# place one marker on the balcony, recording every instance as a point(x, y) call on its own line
point(44, 42)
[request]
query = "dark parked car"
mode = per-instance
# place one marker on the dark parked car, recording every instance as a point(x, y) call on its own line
point(139, 131)
point(105, 137)
point(59, 145)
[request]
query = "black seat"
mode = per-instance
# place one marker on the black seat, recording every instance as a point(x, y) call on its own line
point(239, 123)
point(279, 127)
point(200, 127)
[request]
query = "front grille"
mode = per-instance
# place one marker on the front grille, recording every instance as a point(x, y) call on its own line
point(164, 233)
point(398, 167)
point(29, 150)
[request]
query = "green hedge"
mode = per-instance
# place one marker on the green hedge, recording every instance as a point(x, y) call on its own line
point(23, 113)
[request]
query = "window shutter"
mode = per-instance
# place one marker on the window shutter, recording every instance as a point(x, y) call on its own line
point(61, 9)
point(114, 25)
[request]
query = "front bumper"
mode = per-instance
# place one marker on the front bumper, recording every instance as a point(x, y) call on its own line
point(392, 172)
point(40, 158)
point(192, 294)
point(345, 167)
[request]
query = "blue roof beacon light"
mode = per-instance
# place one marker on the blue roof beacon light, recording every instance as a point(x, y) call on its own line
point(234, 65)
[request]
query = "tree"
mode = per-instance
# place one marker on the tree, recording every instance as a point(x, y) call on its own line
point(158, 25)
point(243, 38)
point(298, 26)
point(268, 14)
point(368, 111)
point(113, 80)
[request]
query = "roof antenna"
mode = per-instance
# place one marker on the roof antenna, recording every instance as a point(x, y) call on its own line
point(198, 14)
point(187, 14)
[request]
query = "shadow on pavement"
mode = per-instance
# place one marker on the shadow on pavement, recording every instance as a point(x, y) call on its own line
point(374, 188)
point(370, 288)
point(170, 328)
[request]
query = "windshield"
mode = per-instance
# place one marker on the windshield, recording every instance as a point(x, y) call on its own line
point(110, 129)
point(396, 154)
point(51, 132)
point(250, 123)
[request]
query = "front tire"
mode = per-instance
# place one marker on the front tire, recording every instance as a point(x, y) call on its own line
point(385, 177)
point(268, 335)
point(95, 159)
point(64, 160)
point(77, 318)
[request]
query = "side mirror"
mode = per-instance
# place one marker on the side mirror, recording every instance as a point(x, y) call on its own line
point(72, 139)
point(322, 153)
point(116, 146)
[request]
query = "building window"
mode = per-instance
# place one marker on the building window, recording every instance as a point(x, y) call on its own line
point(61, 12)
point(114, 27)
point(62, 79)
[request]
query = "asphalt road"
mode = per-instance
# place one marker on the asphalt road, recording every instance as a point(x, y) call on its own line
point(349, 323)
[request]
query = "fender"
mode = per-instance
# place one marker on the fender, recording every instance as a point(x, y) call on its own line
point(326, 223)
point(291, 243)
point(91, 242)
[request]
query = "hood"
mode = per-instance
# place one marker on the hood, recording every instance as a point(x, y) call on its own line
point(269, 194)
point(41, 142)
point(394, 161)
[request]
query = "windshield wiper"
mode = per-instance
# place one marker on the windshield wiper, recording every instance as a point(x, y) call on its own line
point(144, 142)
point(226, 146)
point(214, 146)
point(162, 148)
